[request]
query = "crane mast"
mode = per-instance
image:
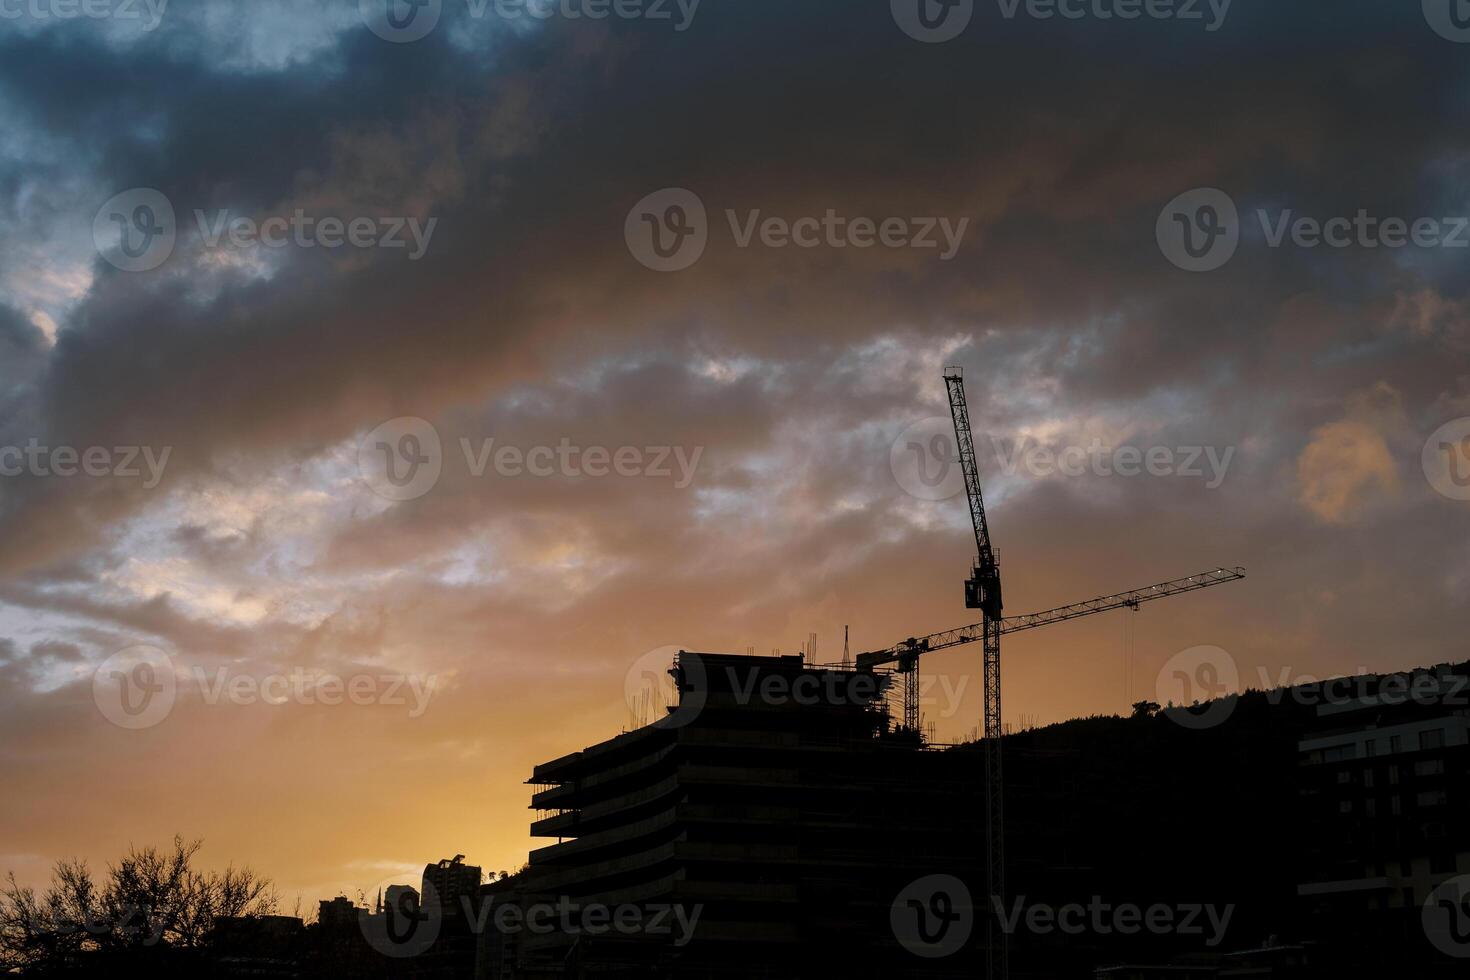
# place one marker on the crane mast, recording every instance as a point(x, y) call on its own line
point(983, 592)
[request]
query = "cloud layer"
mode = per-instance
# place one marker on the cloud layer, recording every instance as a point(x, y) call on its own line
point(792, 370)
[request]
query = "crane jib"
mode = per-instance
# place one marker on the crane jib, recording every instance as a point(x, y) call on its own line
point(1061, 614)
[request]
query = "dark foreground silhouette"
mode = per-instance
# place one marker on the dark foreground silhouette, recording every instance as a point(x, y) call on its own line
point(1315, 831)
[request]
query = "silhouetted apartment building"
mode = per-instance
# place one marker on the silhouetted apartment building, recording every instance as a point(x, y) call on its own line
point(764, 828)
point(338, 913)
point(449, 882)
point(1385, 798)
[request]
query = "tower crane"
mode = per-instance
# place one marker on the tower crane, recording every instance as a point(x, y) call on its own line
point(983, 592)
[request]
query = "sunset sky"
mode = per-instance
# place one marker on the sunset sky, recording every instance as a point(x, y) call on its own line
point(780, 375)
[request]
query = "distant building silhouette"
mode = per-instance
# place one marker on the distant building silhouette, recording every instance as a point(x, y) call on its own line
point(448, 882)
point(339, 913)
point(1385, 805)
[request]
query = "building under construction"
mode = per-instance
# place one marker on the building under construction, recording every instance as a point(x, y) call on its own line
point(779, 809)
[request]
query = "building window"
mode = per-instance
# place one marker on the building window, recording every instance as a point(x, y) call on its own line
point(1344, 806)
point(1432, 797)
point(1394, 806)
point(1344, 777)
point(1429, 767)
point(1370, 807)
point(1395, 743)
point(1370, 748)
point(1368, 778)
point(1393, 775)
point(1339, 753)
point(1432, 739)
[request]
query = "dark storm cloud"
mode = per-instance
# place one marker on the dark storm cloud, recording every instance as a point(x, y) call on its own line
point(530, 152)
